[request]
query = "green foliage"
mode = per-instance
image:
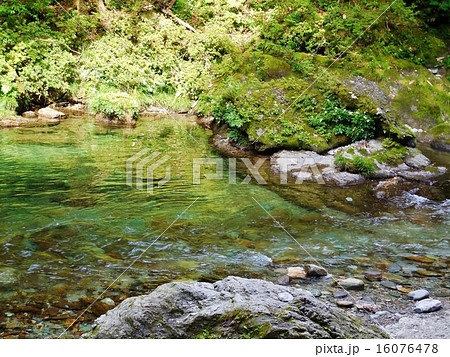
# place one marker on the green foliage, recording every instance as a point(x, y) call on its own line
point(364, 166)
point(339, 120)
point(114, 104)
point(230, 115)
point(432, 10)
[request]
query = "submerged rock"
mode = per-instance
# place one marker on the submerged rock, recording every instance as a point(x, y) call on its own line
point(352, 284)
point(229, 308)
point(373, 275)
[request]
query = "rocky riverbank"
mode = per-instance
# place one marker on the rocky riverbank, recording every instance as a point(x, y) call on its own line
point(230, 308)
point(252, 308)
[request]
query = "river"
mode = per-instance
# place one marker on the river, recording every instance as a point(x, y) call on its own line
point(70, 225)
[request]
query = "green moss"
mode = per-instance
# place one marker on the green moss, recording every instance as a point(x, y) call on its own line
point(358, 164)
point(432, 169)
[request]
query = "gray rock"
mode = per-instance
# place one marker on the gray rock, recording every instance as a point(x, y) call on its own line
point(284, 280)
point(315, 270)
point(418, 294)
point(422, 175)
point(340, 294)
point(49, 113)
point(394, 268)
point(352, 284)
point(373, 275)
point(286, 297)
point(228, 309)
point(315, 292)
point(418, 161)
point(389, 284)
point(344, 303)
point(416, 326)
point(427, 305)
point(343, 178)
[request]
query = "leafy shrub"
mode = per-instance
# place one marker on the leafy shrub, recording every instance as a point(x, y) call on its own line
point(230, 115)
point(114, 104)
point(341, 121)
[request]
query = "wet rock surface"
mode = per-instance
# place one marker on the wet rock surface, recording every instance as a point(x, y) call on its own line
point(222, 309)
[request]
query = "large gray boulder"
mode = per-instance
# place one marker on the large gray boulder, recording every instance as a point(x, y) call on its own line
point(230, 308)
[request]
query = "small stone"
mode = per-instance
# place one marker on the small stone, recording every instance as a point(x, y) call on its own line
point(398, 279)
point(394, 268)
point(373, 275)
point(344, 303)
point(379, 314)
point(296, 273)
point(315, 292)
point(349, 199)
point(315, 270)
point(427, 305)
point(363, 305)
point(403, 290)
point(367, 299)
point(417, 295)
point(428, 273)
point(285, 297)
point(389, 284)
point(284, 280)
point(352, 284)
point(340, 294)
point(420, 259)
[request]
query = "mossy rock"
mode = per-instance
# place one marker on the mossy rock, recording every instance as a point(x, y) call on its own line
point(441, 136)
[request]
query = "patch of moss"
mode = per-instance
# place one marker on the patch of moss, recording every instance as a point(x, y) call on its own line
point(357, 164)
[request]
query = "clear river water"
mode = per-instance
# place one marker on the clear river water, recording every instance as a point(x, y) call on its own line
point(70, 225)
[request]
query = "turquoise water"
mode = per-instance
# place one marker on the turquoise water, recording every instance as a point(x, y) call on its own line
point(70, 225)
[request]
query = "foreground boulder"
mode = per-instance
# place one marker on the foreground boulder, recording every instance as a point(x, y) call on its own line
point(230, 308)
